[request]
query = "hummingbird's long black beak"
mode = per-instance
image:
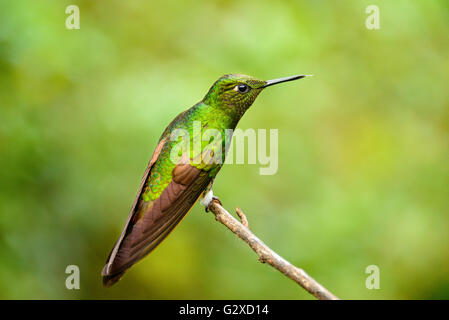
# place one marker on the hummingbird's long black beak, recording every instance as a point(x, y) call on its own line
point(280, 80)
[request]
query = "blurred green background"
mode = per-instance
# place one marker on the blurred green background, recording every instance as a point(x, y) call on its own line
point(363, 173)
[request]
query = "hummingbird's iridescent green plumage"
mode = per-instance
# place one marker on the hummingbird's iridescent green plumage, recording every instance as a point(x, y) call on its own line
point(170, 189)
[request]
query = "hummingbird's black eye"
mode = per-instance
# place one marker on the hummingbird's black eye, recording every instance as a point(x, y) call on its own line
point(242, 88)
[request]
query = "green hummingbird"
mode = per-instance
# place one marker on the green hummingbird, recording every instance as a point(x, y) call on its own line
point(170, 188)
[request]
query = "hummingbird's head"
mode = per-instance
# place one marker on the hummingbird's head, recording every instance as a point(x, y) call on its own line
point(237, 92)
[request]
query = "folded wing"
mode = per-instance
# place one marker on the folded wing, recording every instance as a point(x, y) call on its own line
point(150, 222)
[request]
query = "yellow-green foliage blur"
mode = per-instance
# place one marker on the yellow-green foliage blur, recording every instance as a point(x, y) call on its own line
point(363, 174)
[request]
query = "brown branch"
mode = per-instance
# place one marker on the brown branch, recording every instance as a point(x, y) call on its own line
point(266, 255)
point(242, 217)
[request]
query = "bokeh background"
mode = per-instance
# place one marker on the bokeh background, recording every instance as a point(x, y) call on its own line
point(363, 173)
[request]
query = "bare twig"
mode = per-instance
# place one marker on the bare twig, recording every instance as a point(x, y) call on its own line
point(242, 217)
point(266, 255)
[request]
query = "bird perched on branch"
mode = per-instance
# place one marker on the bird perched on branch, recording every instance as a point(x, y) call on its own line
point(177, 177)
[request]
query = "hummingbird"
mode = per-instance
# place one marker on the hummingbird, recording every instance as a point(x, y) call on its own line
point(170, 188)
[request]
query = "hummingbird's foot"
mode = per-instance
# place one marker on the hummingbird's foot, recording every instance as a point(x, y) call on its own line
point(214, 199)
point(208, 198)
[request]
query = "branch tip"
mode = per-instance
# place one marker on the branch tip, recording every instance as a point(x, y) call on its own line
point(242, 217)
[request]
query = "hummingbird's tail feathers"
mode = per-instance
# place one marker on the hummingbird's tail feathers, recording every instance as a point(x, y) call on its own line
point(110, 280)
point(106, 272)
point(151, 222)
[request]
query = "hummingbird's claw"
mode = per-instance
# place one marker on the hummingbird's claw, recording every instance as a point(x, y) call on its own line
point(207, 198)
point(214, 199)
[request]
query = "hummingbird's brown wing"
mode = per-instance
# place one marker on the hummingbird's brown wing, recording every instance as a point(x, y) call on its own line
point(150, 222)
